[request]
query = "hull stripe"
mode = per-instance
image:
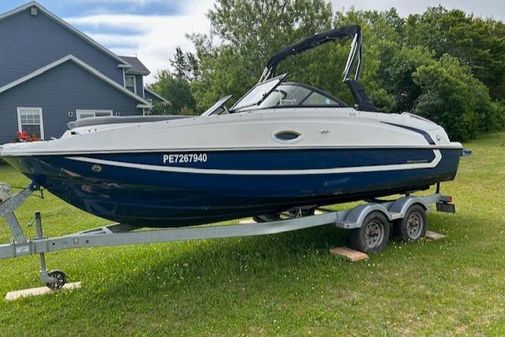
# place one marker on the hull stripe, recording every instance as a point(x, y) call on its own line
point(358, 169)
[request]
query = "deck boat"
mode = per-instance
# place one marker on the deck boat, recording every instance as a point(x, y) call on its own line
point(282, 146)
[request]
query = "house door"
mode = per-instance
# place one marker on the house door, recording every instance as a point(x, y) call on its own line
point(80, 114)
point(30, 121)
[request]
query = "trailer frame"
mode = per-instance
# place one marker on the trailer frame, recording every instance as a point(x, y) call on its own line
point(121, 234)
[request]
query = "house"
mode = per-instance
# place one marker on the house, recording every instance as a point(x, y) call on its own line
point(52, 74)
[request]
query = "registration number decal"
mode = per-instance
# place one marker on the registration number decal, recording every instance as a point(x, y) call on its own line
point(178, 158)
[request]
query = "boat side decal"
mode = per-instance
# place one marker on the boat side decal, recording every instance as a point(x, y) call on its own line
point(425, 134)
point(356, 169)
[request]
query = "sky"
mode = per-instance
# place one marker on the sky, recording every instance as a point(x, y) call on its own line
point(152, 29)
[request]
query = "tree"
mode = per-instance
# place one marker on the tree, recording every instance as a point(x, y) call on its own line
point(451, 96)
point(394, 73)
point(185, 65)
point(475, 42)
point(244, 35)
point(177, 90)
point(406, 54)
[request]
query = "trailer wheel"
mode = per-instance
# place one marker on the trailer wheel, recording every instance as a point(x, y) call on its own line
point(413, 226)
point(60, 278)
point(373, 235)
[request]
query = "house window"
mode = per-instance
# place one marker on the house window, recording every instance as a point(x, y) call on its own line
point(130, 83)
point(80, 114)
point(30, 121)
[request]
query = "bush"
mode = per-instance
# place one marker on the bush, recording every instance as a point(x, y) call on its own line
point(394, 74)
point(452, 97)
point(177, 90)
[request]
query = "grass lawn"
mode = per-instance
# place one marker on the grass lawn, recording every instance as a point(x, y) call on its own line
point(285, 285)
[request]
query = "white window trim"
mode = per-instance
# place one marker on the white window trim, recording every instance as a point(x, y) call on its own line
point(20, 126)
point(79, 112)
point(134, 83)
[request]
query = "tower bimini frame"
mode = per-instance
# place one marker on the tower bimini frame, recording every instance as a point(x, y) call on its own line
point(352, 70)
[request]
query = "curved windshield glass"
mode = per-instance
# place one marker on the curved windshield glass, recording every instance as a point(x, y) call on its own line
point(275, 93)
point(297, 94)
point(258, 93)
point(218, 108)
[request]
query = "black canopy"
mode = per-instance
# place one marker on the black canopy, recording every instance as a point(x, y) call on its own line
point(311, 42)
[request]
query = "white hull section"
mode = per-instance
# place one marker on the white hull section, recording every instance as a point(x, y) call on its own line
point(315, 127)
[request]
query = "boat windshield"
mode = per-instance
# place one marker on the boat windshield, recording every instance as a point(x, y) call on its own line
point(218, 107)
point(274, 93)
point(301, 95)
point(258, 93)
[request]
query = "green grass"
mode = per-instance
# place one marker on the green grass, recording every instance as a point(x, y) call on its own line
point(285, 285)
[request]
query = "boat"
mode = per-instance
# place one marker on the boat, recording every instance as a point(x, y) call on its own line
point(282, 147)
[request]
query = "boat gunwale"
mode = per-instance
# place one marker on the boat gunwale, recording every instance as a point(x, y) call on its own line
point(6, 154)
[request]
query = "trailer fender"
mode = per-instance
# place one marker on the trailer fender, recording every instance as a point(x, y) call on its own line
point(400, 206)
point(356, 216)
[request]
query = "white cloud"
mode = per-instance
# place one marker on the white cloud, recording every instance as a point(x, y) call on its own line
point(155, 38)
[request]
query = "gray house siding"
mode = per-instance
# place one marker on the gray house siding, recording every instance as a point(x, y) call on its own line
point(61, 90)
point(29, 42)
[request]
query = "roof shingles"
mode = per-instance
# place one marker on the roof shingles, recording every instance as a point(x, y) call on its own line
point(137, 67)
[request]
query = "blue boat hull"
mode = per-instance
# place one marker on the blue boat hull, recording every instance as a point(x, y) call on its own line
point(159, 190)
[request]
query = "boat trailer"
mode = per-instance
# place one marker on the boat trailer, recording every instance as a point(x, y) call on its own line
point(369, 222)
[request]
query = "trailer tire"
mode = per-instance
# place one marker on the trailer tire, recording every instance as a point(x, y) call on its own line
point(60, 279)
point(373, 235)
point(413, 226)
